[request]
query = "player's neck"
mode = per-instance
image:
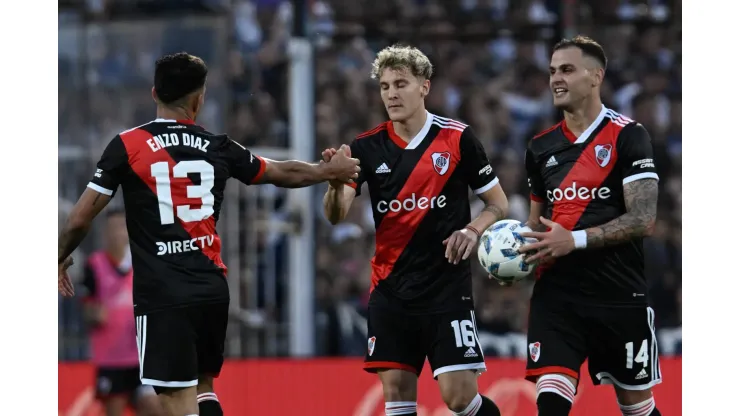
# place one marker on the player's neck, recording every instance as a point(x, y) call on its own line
point(410, 127)
point(579, 119)
point(174, 114)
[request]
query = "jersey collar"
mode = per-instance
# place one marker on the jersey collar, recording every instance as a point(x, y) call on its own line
point(586, 133)
point(416, 141)
point(164, 120)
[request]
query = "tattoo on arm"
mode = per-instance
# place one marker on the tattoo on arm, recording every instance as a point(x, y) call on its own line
point(497, 212)
point(641, 200)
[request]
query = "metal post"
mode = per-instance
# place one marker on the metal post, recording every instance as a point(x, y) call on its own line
point(301, 271)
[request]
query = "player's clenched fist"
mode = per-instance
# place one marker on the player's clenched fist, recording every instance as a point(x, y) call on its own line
point(341, 158)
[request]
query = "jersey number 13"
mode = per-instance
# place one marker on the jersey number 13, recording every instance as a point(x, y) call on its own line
point(161, 174)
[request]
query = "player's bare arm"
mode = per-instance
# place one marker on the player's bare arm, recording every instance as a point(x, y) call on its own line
point(337, 199)
point(75, 229)
point(641, 201)
point(536, 209)
point(297, 174)
point(462, 242)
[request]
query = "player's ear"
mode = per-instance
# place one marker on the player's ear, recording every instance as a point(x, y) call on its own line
point(154, 95)
point(597, 76)
point(425, 86)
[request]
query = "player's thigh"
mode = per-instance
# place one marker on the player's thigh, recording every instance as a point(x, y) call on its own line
point(167, 349)
point(145, 401)
point(556, 338)
point(393, 341)
point(452, 343)
point(211, 333)
point(624, 348)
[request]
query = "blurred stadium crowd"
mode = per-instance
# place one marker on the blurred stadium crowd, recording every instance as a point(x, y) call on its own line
point(491, 59)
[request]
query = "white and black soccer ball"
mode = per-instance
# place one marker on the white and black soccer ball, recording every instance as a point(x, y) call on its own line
point(498, 251)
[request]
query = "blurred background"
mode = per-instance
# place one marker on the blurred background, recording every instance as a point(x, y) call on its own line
point(288, 79)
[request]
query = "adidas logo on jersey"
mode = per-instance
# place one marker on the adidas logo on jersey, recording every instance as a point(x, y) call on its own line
point(642, 374)
point(383, 169)
point(551, 162)
point(470, 353)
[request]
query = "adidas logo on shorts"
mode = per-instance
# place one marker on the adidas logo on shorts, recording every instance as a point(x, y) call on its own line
point(642, 374)
point(470, 353)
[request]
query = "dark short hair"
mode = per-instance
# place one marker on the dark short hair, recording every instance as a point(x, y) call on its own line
point(588, 46)
point(177, 75)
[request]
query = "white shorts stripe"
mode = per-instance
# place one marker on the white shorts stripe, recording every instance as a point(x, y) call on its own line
point(475, 334)
point(171, 384)
point(141, 342)
point(479, 367)
point(654, 360)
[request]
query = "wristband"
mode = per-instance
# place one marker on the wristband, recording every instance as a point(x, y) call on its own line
point(471, 228)
point(580, 239)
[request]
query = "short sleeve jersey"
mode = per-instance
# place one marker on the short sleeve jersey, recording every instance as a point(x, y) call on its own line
point(420, 195)
point(581, 182)
point(173, 174)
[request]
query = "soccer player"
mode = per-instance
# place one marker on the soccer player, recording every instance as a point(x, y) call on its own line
point(109, 310)
point(418, 167)
point(173, 173)
point(594, 186)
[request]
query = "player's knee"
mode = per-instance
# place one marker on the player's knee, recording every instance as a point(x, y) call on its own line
point(398, 385)
point(632, 397)
point(458, 395)
point(458, 401)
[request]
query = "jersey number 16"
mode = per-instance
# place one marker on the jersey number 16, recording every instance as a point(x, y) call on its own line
point(161, 174)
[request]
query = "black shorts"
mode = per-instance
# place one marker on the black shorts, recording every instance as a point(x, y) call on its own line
point(401, 341)
point(619, 342)
point(178, 345)
point(110, 381)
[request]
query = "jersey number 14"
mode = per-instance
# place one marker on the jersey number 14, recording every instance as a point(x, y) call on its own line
point(161, 174)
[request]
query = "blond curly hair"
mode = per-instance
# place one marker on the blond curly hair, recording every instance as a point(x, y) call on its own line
point(400, 57)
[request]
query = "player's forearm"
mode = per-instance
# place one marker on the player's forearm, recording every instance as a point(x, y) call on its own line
point(536, 209)
point(620, 230)
point(297, 174)
point(334, 209)
point(641, 199)
point(490, 214)
point(70, 238)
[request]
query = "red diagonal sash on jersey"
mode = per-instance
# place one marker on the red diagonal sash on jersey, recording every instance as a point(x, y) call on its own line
point(567, 213)
point(397, 228)
point(141, 159)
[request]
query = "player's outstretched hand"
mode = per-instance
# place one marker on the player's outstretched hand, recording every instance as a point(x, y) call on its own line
point(555, 243)
point(343, 167)
point(459, 245)
point(326, 156)
point(65, 283)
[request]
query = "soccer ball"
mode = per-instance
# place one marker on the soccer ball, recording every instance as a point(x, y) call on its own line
point(498, 251)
